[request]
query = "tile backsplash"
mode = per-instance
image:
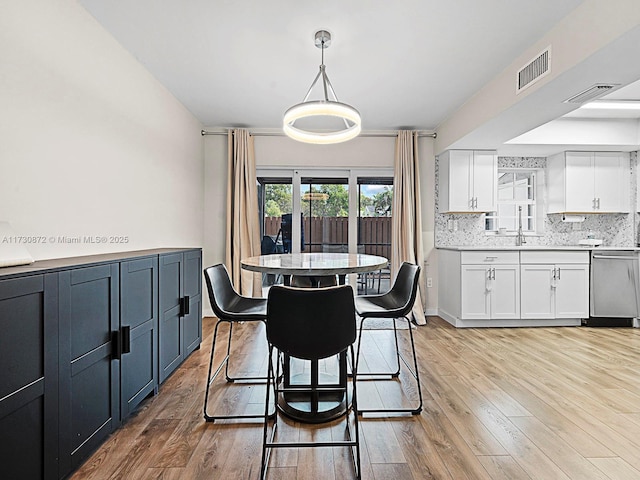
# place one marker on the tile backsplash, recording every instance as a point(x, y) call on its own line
point(617, 230)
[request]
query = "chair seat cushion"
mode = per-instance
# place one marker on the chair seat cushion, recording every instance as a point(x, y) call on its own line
point(246, 308)
point(379, 306)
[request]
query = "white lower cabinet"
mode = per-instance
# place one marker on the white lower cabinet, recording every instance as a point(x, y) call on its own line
point(490, 292)
point(555, 290)
point(513, 288)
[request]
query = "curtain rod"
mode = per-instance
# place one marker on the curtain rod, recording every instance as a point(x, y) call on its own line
point(281, 134)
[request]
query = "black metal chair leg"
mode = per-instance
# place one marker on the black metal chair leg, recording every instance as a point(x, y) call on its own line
point(382, 374)
point(209, 378)
point(266, 452)
point(355, 451)
point(412, 369)
point(415, 372)
point(226, 368)
point(224, 363)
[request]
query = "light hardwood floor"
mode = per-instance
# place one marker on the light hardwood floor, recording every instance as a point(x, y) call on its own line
point(529, 403)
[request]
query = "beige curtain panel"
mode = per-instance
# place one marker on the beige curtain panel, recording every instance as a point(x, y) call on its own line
point(406, 227)
point(243, 227)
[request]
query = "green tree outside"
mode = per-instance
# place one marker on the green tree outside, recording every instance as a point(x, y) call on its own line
point(332, 201)
point(278, 199)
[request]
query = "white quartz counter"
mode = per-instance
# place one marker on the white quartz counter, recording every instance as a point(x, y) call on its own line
point(510, 248)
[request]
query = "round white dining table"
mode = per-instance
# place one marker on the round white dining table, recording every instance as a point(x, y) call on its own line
point(315, 264)
point(312, 406)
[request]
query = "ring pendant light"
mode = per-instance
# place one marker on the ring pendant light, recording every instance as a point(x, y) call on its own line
point(322, 108)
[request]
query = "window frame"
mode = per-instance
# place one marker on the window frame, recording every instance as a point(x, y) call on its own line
point(537, 217)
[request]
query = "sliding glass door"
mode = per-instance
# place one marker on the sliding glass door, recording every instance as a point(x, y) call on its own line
point(321, 210)
point(324, 205)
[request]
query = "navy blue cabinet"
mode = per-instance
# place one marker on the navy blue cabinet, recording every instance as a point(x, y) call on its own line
point(180, 316)
point(29, 377)
point(138, 333)
point(89, 369)
point(82, 342)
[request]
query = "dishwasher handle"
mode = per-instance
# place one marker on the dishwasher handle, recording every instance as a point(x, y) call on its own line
point(616, 257)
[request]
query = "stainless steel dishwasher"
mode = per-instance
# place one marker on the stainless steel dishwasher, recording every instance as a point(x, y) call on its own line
point(614, 292)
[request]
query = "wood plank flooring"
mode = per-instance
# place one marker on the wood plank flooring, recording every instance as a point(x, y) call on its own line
point(530, 403)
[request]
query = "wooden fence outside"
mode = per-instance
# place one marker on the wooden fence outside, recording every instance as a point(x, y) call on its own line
point(332, 234)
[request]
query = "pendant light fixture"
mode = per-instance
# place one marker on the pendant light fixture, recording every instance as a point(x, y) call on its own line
point(322, 108)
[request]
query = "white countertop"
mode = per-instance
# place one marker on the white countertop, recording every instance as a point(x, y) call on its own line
point(507, 248)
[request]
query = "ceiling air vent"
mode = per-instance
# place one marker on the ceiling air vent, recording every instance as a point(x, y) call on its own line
point(534, 70)
point(592, 92)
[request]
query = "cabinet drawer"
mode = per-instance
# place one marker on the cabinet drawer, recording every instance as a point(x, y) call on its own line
point(554, 257)
point(490, 257)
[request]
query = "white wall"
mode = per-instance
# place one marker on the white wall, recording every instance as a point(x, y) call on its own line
point(90, 143)
point(373, 152)
point(215, 199)
point(427, 197)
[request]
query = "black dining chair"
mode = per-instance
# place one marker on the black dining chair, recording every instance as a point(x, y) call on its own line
point(396, 303)
point(310, 324)
point(230, 307)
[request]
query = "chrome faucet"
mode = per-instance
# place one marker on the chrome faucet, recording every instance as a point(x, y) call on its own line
point(520, 240)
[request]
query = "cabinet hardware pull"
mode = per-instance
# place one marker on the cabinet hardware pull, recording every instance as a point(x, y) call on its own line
point(558, 273)
point(126, 339)
point(116, 345)
point(184, 306)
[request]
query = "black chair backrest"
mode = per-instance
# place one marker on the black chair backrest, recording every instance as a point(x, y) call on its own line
point(267, 246)
point(311, 323)
point(222, 295)
point(405, 288)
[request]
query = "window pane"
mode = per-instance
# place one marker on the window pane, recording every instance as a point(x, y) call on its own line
point(375, 199)
point(275, 204)
point(505, 186)
point(325, 212)
point(374, 216)
point(515, 188)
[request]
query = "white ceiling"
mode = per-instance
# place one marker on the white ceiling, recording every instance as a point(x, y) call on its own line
point(402, 64)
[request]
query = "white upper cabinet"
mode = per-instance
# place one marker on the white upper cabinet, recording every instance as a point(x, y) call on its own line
point(588, 182)
point(467, 181)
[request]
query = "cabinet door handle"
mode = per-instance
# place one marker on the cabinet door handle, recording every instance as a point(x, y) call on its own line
point(126, 339)
point(558, 273)
point(598, 203)
point(116, 345)
point(184, 306)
